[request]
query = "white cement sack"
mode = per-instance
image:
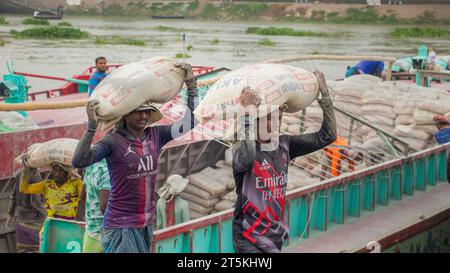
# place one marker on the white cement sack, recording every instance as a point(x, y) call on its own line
point(58, 150)
point(223, 164)
point(438, 107)
point(403, 107)
point(378, 109)
point(276, 84)
point(415, 143)
point(194, 190)
point(224, 176)
point(314, 113)
point(423, 117)
point(196, 215)
point(379, 98)
point(410, 131)
point(380, 120)
point(204, 202)
point(431, 129)
point(284, 127)
point(349, 107)
point(231, 196)
point(347, 99)
point(206, 183)
point(290, 120)
point(199, 208)
point(355, 85)
point(294, 129)
point(126, 88)
point(404, 119)
point(224, 205)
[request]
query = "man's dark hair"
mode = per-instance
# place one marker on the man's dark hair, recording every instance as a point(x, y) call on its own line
point(98, 59)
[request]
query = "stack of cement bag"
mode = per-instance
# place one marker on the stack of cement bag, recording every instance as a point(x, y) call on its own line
point(403, 109)
point(349, 93)
point(207, 189)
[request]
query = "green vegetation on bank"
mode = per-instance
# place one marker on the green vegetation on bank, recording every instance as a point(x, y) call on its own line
point(247, 10)
point(416, 32)
point(52, 32)
point(64, 24)
point(182, 55)
point(3, 21)
point(2, 43)
point(166, 28)
point(284, 31)
point(256, 10)
point(34, 21)
point(266, 42)
point(118, 40)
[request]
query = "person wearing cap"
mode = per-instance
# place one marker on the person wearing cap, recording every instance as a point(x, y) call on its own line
point(131, 151)
point(442, 136)
point(171, 208)
point(260, 170)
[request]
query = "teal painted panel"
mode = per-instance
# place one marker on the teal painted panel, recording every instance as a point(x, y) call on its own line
point(352, 199)
point(175, 244)
point(62, 236)
point(335, 205)
point(298, 218)
point(419, 174)
point(407, 179)
point(381, 188)
point(395, 184)
point(318, 206)
point(367, 193)
point(202, 240)
point(227, 236)
point(431, 170)
point(442, 166)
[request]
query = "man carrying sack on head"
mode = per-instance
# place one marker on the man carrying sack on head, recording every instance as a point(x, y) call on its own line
point(260, 170)
point(132, 150)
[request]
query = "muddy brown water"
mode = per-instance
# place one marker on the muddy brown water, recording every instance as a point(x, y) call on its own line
point(235, 48)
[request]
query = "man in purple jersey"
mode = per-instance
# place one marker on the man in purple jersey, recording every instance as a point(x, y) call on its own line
point(131, 151)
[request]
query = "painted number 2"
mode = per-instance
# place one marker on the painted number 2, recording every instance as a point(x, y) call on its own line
point(73, 247)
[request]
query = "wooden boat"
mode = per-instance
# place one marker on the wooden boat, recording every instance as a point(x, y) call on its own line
point(48, 15)
point(168, 17)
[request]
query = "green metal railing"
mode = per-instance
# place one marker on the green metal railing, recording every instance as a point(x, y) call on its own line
point(316, 207)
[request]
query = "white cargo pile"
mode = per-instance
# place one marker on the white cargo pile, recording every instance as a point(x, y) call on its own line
point(16, 121)
point(209, 190)
point(60, 150)
point(126, 88)
point(403, 109)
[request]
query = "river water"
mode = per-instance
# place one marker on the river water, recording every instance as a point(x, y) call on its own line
point(234, 49)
